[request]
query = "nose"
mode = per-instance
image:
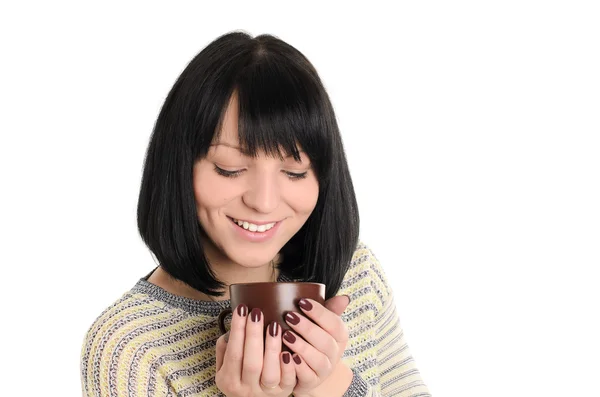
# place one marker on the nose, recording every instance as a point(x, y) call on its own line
point(263, 194)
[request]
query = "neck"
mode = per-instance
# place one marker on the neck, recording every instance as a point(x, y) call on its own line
point(230, 272)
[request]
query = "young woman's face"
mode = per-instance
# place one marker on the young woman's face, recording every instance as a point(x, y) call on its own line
point(251, 207)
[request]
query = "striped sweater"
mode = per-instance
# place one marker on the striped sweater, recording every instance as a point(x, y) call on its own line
point(153, 343)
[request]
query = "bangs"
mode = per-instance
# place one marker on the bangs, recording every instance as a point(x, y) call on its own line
point(280, 114)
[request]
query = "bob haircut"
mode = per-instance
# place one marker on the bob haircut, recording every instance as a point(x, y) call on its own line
point(283, 107)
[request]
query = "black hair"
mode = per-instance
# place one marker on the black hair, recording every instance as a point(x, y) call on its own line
point(283, 105)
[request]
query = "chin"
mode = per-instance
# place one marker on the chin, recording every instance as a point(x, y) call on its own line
point(247, 258)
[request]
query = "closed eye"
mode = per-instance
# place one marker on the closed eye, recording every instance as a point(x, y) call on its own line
point(295, 176)
point(226, 173)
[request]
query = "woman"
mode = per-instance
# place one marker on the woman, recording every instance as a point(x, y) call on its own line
point(246, 180)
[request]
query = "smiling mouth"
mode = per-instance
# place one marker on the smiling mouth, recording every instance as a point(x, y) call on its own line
point(253, 227)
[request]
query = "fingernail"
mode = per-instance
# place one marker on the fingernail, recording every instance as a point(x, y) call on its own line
point(287, 335)
point(242, 310)
point(286, 358)
point(297, 360)
point(292, 318)
point(348, 296)
point(305, 304)
point(273, 329)
point(255, 315)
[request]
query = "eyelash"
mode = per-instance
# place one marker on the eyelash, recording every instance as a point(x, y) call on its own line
point(234, 174)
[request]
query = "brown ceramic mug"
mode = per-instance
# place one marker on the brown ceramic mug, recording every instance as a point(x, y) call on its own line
point(274, 299)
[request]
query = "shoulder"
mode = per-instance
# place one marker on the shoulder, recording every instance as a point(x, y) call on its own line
point(117, 347)
point(365, 281)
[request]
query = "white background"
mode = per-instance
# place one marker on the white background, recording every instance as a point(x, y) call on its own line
point(472, 132)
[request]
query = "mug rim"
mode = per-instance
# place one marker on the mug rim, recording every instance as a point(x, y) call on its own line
point(278, 283)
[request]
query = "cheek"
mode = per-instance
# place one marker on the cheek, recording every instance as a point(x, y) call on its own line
point(304, 197)
point(211, 191)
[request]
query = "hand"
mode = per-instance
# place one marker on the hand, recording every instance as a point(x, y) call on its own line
point(318, 351)
point(242, 369)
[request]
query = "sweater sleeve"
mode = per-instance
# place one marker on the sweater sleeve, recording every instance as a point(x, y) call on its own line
point(359, 388)
point(378, 353)
point(398, 374)
point(108, 367)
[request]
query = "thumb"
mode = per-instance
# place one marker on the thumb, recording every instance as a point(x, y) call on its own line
point(337, 304)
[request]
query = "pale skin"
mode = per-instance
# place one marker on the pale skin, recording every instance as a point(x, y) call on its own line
point(228, 184)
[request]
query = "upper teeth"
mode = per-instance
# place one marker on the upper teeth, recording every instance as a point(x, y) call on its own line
point(254, 228)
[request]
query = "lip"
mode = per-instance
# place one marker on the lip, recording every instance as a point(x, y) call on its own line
point(255, 237)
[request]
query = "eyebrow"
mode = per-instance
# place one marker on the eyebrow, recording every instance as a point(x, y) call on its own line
point(242, 151)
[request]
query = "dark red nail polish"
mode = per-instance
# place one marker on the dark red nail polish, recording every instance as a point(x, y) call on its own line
point(286, 358)
point(297, 360)
point(242, 310)
point(292, 318)
point(305, 304)
point(273, 329)
point(287, 335)
point(255, 315)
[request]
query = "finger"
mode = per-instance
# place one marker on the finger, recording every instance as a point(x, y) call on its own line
point(253, 348)
point(314, 335)
point(271, 370)
point(304, 374)
point(288, 372)
point(326, 319)
point(337, 304)
point(220, 350)
point(234, 354)
point(316, 360)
